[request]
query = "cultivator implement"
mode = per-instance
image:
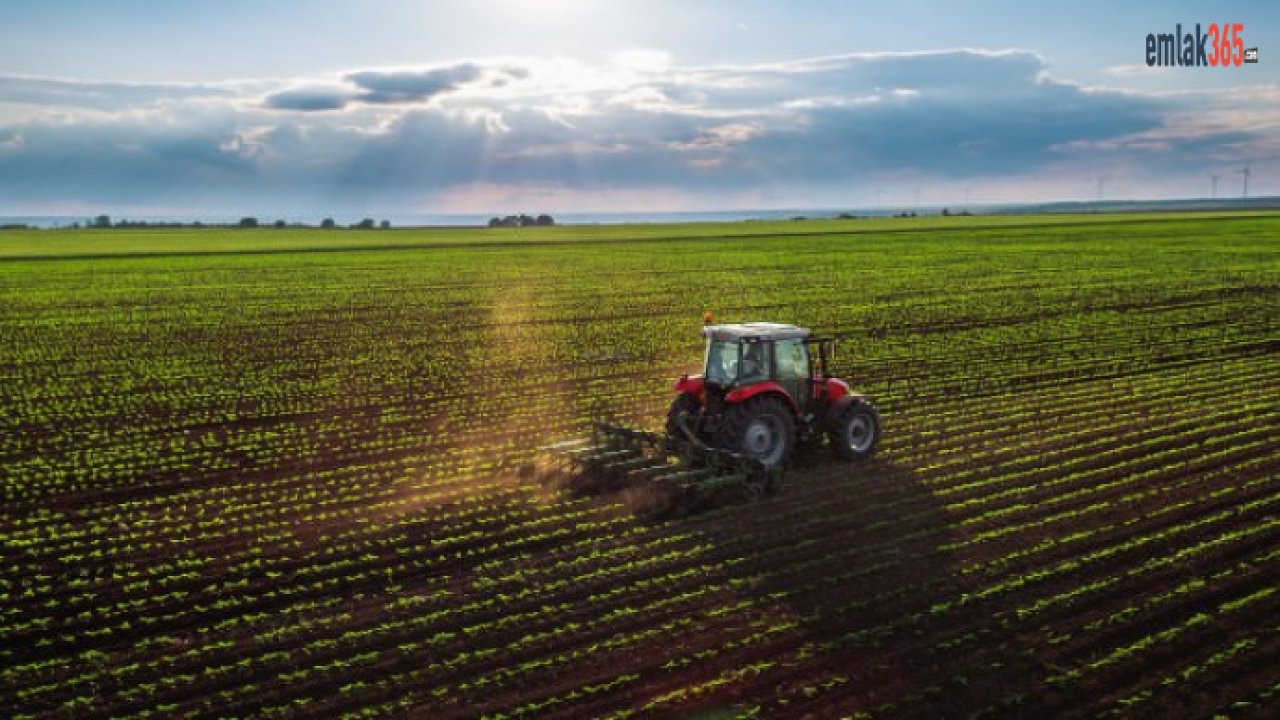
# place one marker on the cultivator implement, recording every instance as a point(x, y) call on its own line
point(685, 472)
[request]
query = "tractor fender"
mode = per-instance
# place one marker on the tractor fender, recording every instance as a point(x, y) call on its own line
point(835, 389)
point(840, 405)
point(691, 384)
point(747, 392)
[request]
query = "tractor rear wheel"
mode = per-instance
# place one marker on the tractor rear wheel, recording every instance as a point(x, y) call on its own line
point(855, 433)
point(762, 427)
point(684, 409)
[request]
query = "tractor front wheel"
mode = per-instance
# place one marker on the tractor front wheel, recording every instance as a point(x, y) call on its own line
point(855, 433)
point(762, 428)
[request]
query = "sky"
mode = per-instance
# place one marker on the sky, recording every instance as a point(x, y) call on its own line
point(286, 107)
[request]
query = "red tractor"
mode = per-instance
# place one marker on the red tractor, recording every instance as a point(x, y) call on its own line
point(734, 426)
point(765, 388)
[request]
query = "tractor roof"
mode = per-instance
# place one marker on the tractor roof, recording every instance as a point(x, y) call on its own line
point(737, 332)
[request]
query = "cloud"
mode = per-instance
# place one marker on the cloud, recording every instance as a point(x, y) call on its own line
point(309, 98)
point(391, 87)
point(412, 86)
point(1132, 71)
point(11, 140)
point(53, 92)
point(122, 161)
point(638, 126)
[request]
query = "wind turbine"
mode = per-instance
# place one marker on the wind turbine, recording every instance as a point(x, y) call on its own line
point(1215, 186)
point(1245, 172)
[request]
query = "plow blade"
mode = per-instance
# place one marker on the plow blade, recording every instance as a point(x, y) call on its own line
point(669, 473)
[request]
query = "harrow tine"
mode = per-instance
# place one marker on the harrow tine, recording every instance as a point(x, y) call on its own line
point(686, 478)
point(608, 455)
point(657, 468)
point(639, 464)
point(584, 454)
point(565, 445)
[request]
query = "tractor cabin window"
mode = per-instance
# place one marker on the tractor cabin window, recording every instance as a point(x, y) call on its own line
point(734, 363)
point(722, 362)
point(793, 367)
point(755, 362)
point(793, 359)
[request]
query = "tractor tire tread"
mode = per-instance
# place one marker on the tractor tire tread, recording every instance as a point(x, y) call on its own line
point(836, 432)
point(738, 417)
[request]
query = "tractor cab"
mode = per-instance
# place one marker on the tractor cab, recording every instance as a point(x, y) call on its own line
point(749, 353)
point(764, 388)
point(793, 359)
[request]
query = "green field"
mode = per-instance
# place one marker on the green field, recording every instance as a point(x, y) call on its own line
point(273, 473)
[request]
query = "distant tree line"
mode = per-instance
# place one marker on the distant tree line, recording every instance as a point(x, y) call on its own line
point(104, 222)
point(509, 221)
point(522, 221)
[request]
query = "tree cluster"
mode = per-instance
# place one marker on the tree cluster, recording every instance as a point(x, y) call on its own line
point(522, 221)
point(105, 222)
